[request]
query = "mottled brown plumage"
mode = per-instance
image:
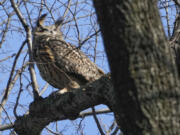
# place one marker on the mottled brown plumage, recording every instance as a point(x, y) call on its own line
point(61, 64)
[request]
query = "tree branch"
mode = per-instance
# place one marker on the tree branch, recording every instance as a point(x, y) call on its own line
point(29, 39)
point(81, 115)
point(177, 2)
point(6, 127)
point(64, 106)
point(12, 71)
point(97, 122)
point(146, 84)
point(11, 85)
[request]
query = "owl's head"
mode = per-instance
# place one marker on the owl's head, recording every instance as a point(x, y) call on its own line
point(52, 30)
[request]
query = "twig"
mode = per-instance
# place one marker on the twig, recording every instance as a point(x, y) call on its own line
point(27, 11)
point(6, 114)
point(13, 82)
point(8, 57)
point(11, 56)
point(2, 2)
point(76, 25)
point(43, 89)
point(29, 39)
point(111, 127)
point(97, 121)
point(49, 10)
point(41, 9)
point(12, 71)
point(90, 113)
point(167, 18)
point(67, 8)
point(95, 48)
point(116, 130)
point(52, 131)
point(6, 127)
point(5, 30)
point(17, 99)
point(89, 37)
point(177, 2)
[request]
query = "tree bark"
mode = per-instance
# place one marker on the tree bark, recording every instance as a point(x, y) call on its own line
point(145, 98)
point(64, 106)
point(144, 74)
point(175, 42)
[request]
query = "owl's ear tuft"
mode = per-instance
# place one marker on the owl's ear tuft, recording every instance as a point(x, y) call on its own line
point(41, 19)
point(59, 22)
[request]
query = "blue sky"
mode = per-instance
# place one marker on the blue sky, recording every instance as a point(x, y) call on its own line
point(14, 39)
point(16, 36)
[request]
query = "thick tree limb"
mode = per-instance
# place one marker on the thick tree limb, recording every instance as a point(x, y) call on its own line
point(81, 115)
point(59, 106)
point(144, 74)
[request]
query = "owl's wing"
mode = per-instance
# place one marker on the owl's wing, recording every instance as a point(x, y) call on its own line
point(74, 62)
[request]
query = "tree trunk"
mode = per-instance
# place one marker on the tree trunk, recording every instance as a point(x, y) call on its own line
point(143, 70)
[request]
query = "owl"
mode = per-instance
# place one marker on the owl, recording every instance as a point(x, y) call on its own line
point(61, 64)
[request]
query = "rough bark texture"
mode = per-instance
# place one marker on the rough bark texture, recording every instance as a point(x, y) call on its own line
point(64, 106)
point(145, 98)
point(143, 70)
point(175, 42)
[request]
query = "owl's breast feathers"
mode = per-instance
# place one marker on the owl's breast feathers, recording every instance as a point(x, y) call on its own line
point(64, 63)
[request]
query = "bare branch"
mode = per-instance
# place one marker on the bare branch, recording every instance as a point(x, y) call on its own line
point(67, 8)
point(12, 83)
point(97, 121)
point(167, 18)
point(6, 114)
point(17, 99)
point(52, 132)
point(72, 11)
point(116, 130)
point(177, 2)
point(6, 127)
point(4, 32)
point(89, 37)
point(66, 106)
point(29, 39)
point(81, 115)
point(20, 16)
point(102, 111)
point(44, 88)
point(12, 71)
point(8, 57)
point(2, 2)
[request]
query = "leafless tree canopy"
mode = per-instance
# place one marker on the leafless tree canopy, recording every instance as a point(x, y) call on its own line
point(18, 18)
point(29, 104)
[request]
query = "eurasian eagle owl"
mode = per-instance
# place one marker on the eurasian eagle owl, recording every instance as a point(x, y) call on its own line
point(61, 64)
